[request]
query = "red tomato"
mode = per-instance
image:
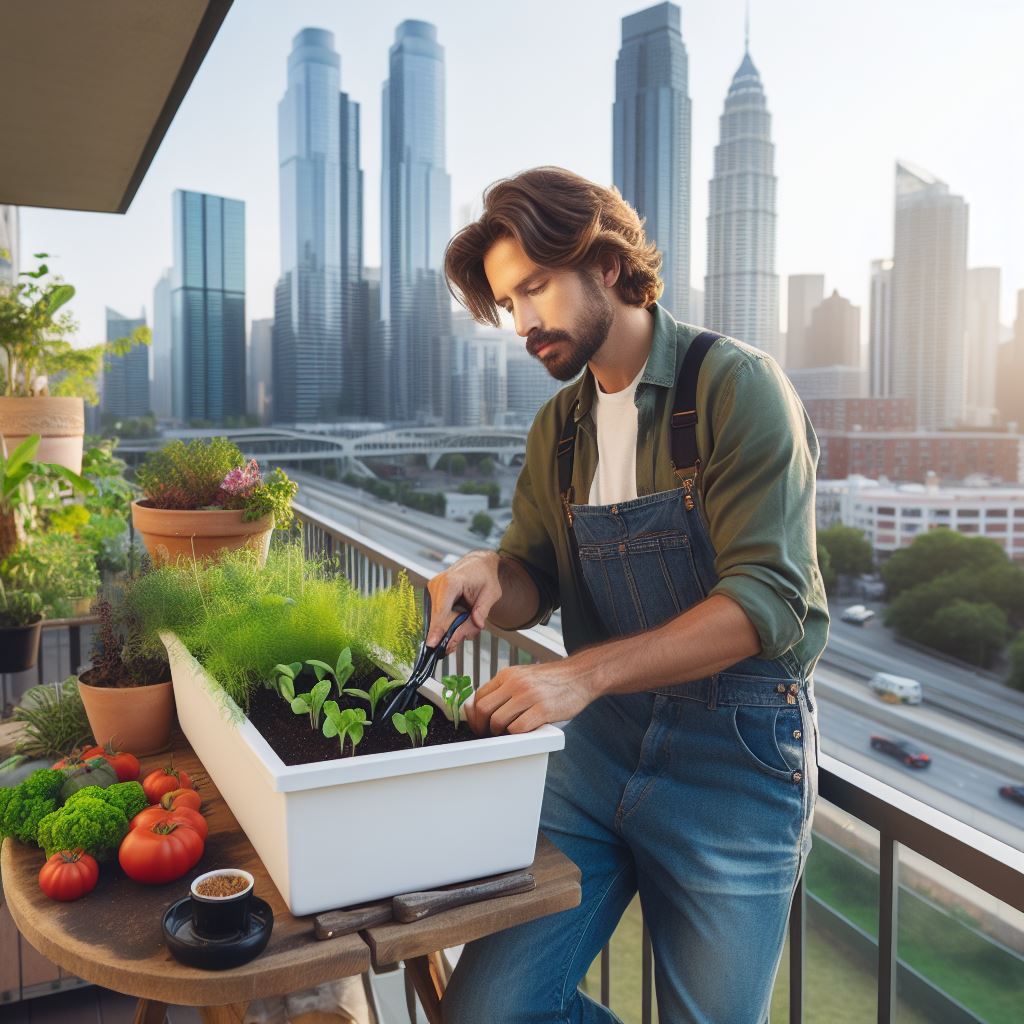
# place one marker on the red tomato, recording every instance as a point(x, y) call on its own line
point(126, 765)
point(181, 798)
point(164, 780)
point(68, 875)
point(160, 853)
point(156, 815)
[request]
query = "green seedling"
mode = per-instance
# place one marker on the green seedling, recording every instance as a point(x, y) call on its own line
point(414, 723)
point(284, 679)
point(341, 672)
point(349, 723)
point(379, 688)
point(455, 690)
point(311, 703)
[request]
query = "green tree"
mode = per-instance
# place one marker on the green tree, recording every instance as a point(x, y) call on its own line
point(969, 630)
point(828, 575)
point(486, 466)
point(938, 552)
point(1016, 676)
point(849, 550)
point(457, 464)
point(482, 524)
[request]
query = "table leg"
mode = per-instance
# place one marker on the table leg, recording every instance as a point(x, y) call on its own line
point(233, 1013)
point(148, 1011)
point(429, 985)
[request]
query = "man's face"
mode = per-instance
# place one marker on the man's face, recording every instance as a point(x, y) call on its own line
point(564, 315)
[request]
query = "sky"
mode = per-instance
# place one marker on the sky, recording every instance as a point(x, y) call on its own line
point(851, 87)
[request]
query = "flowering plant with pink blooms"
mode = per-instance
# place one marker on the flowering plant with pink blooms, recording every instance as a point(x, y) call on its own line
point(213, 473)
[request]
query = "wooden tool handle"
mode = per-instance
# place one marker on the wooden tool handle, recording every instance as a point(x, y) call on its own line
point(415, 906)
point(333, 923)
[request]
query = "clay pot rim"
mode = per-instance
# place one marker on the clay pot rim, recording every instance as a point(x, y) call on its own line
point(123, 689)
point(145, 506)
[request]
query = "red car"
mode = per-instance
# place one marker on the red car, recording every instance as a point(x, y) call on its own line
point(1012, 793)
point(902, 750)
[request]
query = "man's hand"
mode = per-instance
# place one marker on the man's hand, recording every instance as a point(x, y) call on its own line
point(522, 698)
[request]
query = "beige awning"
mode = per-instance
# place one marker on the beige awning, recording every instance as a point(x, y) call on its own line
point(87, 90)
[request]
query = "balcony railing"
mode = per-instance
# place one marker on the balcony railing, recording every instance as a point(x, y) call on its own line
point(972, 858)
point(900, 820)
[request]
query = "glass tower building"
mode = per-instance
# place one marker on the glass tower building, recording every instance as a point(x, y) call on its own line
point(651, 141)
point(741, 292)
point(208, 308)
point(415, 226)
point(125, 378)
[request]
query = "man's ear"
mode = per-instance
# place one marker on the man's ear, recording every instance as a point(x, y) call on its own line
point(610, 267)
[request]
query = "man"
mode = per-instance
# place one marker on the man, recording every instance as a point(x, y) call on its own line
point(666, 504)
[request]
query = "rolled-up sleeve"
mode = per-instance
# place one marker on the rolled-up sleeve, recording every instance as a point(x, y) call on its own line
point(758, 489)
point(528, 542)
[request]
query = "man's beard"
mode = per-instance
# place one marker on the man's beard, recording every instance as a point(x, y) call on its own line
point(575, 350)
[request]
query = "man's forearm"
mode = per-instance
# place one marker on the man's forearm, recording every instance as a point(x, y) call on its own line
point(707, 638)
point(520, 599)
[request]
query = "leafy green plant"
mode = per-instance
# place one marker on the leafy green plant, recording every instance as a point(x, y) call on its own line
point(59, 567)
point(54, 720)
point(377, 690)
point(212, 473)
point(312, 702)
point(455, 691)
point(349, 724)
point(35, 337)
point(284, 679)
point(341, 672)
point(414, 723)
point(113, 663)
point(18, 607)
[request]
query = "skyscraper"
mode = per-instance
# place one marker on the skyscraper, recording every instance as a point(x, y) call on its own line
point(162, 361)
point(981, 342)
point(1009, 393)
point(804, 293)
point(355, 323)
point(651, 141)
point(308, 298)
point(415, 227)
point(9, 244)
point(208, 308)
point(125, 378)
point(833, 337)
point(261, 369)
point(741, 288)
point(880, 329)
point(929, 278)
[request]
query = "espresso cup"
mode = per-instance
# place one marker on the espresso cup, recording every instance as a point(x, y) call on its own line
point(218, 916)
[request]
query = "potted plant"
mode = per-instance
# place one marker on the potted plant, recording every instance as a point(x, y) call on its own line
point(203, 498)
point(21, 621)
point(45, 380)
point(128, 700)
point(60, 568)
point(250, 652)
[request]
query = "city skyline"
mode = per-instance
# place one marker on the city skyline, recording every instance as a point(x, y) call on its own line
point(493, 132)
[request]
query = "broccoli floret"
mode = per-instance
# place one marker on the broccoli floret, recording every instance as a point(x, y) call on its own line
point(127, 797)
point(87, 823)
point(29, 802)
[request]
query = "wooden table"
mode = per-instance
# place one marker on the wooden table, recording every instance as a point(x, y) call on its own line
point(113, 938)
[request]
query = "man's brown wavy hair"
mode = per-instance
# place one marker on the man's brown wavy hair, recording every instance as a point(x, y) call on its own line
point(562, 221)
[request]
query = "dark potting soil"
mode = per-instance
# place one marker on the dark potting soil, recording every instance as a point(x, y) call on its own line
point(295, 742)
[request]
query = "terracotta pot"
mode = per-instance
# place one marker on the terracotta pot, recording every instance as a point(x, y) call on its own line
point(133, 718)
point(19, 646)
point(171, 533)
point(60, 422)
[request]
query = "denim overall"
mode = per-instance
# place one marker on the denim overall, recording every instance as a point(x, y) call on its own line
point(698, 796)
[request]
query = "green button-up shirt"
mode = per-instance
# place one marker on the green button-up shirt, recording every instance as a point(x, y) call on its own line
point(758, 453)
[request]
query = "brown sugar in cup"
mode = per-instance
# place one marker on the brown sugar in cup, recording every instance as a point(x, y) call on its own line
point(221, 900)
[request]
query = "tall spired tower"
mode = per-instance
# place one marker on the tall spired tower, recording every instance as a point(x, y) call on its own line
point(741, 287)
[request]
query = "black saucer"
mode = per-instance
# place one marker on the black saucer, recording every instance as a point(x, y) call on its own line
point(216, 954)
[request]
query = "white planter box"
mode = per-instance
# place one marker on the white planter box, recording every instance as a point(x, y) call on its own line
point(343, 832)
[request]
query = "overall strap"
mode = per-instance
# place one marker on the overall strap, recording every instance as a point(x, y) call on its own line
point(565, 451)
point(685, 460)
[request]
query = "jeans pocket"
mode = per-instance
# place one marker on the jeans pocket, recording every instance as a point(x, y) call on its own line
point(771, 738)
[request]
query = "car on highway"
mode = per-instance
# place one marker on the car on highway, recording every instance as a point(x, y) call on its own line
point(858, 614)
point(895, 689)
point(1012, 793)
point(903, 750)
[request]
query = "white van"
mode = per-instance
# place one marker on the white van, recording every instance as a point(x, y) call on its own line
point(896, 688)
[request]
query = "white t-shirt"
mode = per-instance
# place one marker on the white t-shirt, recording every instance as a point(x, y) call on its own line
point(616, 419)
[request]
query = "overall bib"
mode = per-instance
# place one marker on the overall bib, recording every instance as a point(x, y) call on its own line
point(698, 796)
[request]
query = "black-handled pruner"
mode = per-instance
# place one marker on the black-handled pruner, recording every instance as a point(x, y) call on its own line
point(426, 659)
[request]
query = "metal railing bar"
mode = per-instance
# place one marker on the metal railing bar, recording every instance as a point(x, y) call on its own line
point(888, 898)
point(647, 970)
point(797, 934)
point(606, 976)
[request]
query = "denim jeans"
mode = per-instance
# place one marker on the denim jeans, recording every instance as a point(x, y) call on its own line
point(696, 796)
